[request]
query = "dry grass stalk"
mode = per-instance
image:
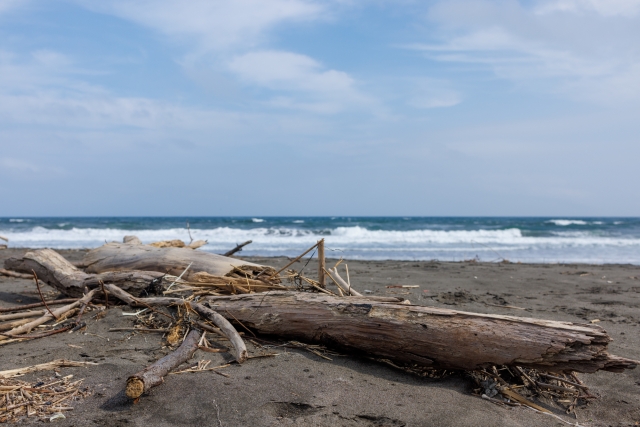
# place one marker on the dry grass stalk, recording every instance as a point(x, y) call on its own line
point(41, 399)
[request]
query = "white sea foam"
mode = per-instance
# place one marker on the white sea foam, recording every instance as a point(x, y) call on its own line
point(565, 222)
point(17, 220)
point(293, 237)
point(359, 242)
point(298, 221)
point(257, 219)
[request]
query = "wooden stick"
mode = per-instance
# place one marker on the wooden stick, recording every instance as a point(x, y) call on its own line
point(292, 262)
point(17, 275)
point(4, 238)
point(153, 375)
point(137, 330)
point(22, 315)
point(343, 283)
point(44, 319)
point(321, 264)
point(106, 297)
point(36, 305)
point(238, 248)
point(35, 277)
point(59, 363)
point(340, 290)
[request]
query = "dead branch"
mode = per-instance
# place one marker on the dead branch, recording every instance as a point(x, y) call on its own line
point(153, 375)
point(238, 248)
point(15, 274)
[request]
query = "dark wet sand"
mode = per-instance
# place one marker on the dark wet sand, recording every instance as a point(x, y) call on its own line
point(297, 388)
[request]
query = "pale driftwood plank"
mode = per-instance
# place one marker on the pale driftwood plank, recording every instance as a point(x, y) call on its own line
point(124, 257)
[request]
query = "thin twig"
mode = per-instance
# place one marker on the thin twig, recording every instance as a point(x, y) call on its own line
point(106, 297)
point(249, 330)
point(179, 277)
point(35, 277)
point(36, 304)
point(292, 262)
point(189, 231)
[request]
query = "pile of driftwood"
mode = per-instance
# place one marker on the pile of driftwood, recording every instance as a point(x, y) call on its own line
point(208, 292)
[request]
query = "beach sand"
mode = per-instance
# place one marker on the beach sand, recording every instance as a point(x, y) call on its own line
point(298, 388)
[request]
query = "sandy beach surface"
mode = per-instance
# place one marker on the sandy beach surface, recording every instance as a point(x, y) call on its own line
point(298, 388)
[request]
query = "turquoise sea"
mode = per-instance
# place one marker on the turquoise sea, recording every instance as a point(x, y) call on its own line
point(524, 239)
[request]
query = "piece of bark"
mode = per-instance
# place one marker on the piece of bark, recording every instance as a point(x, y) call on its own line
point(238, 248)
point(15, 274)
point(131, 240)
point(122, 257)
point(428, 336)
point(227, 328)
point(153, 375)
point(59, 273)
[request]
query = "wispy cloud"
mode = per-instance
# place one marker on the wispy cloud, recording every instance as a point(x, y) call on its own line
point(212, 24)
point(324, 90)
point(581, 47)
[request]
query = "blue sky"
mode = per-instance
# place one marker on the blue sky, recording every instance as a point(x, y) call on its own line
point(303, 107)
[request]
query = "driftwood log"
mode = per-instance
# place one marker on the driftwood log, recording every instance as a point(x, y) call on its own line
point(379, 327)
point(59, 273)
point(428, 336)
point(127, 257)
point(153, 375)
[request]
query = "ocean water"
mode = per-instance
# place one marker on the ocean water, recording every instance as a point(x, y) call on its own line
point(540, 240)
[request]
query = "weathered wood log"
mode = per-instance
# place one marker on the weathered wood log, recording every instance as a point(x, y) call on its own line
point(428, 336)
point(153, 375)
point(56, 271)
point(4, 238)
point(238, 248)
point(125, 257)
point(131, 240)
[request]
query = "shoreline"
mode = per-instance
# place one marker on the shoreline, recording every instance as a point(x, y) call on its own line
point(299, 388)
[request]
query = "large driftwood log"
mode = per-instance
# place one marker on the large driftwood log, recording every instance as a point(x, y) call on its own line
point(56, 271)
point(153, 375)
point(121, 257)
point(425, 335)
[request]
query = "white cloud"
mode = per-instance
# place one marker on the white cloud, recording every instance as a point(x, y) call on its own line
point(585, 55)
point(215, 24)
point(325, 90)
point(628, 8)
